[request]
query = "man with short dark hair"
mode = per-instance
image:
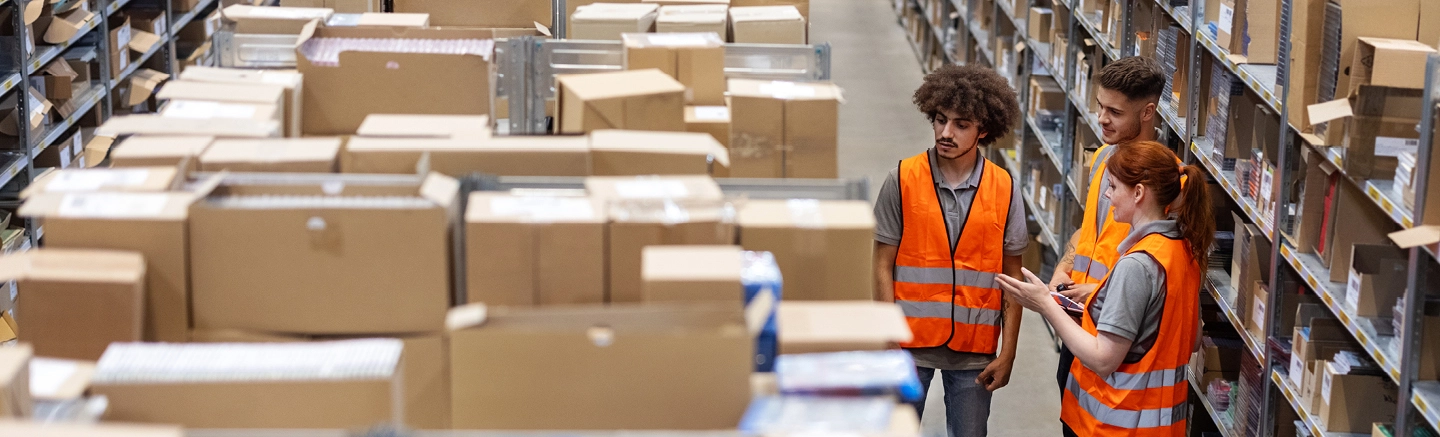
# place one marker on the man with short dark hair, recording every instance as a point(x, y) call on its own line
point(948, 221)
point(1128, 95)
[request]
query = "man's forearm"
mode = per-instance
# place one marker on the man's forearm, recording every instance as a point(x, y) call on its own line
point(1067, 261)
point(1012, 311)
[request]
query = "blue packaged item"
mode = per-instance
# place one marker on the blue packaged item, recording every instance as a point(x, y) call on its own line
point(806, 414)
point(874, 373)
point(761, 275)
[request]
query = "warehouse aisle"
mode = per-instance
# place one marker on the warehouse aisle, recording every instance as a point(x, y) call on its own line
point(879, 127)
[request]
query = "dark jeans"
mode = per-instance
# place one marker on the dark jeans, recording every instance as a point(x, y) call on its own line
point(967, 403)
point(1062, 375)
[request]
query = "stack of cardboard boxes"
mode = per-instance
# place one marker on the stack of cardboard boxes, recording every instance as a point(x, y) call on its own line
point(762, 21)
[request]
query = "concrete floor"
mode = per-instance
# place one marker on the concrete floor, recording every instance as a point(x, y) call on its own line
point(879, 127)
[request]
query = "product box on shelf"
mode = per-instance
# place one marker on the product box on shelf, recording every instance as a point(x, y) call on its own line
point(1362, 224)
point(290, 80)
point(1261, 41)
point(1046, 96)
point(340, 384)
point(481, 13)
point(841, 326)
point(458, 157)
point(1380, 127)
point(649, 211)
point(154, 224)
point(767, 25)
point(77, 302)
point(607, 21)
point(1040, 26)
point(802, 145)
point(713, 120)
point(702, 18)
point(696, 60)
point(289, 155)
point(1377, 279)
point(305, 283)
point(677, 366)
point(529, 250)
point(60, 79)
point(1315, 186)
point(1396, 63)
point(638, 153)
point(1312, 332)
point(823, 247)
point(637, 100)
point(691, 273)
point(1352, 402)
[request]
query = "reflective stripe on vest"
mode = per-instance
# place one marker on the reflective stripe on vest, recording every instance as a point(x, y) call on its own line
point(946, 310)
point(1151, 379)
point(1129, 419)
point(945, 276)
point(1095, 269)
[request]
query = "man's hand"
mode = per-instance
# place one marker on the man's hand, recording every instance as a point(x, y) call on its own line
point(1058, 279)
point(997, 374)
point(1080, 292)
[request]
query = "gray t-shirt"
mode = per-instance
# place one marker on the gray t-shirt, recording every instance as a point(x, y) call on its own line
point(889, 225)
point(1130, 302)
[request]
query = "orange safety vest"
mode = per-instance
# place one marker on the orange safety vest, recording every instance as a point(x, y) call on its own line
point(949, 295)
point(1146, 398)
point(1097, 248)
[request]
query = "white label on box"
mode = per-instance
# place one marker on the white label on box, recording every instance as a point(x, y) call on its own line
point(650, 189)
point(712, 113)
point(1227, 18)
point(202, 110)
point(234, 111)
point(1297, 369)
point(124, 60)
point(787, 90)
point(1267, 177)
point(1325, 383)
point(211, 23)
point(805, 213)
point(112, 205)
point(1044, 195)
point(678, 40)
point(48, 375)
point(65, 157)
point(1257, 316)
point(1393, 147)
point(122, 38)
point(1352, 290)
point(92, 180)
point(543, 208)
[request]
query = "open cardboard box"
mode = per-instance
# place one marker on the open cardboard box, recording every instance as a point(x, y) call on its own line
point(289, 155)
point(534, 250)
point(77, 302)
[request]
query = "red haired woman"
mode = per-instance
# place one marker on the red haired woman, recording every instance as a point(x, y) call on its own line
point(1134, 338)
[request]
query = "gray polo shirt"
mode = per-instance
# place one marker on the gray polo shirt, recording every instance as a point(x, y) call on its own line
point(889, 225)
point(1131, 301)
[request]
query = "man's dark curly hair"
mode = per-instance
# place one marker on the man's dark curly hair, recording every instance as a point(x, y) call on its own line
point(976, 93)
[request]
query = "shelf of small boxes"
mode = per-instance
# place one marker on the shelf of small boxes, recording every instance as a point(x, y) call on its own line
point(1215, 415)
point(1311, 422)
point(1102, 39)
point(1217, 283)
point(1260, 78)
point(1395, 197)
point(1181, 14)
point(1201, 147)
point(1338, 299)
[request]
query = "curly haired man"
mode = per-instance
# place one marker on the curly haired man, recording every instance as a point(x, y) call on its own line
point(948, 221)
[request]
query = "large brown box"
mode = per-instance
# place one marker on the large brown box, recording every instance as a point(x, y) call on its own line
point(1353, 402)
point(76, 302)
point(337, 98)
point(691, 273)
point(1362, 224)
point(824, 248)
point(501, 155)
point(608, 21)
point(767, 25)
point(801, 145)
point(337, 254)
point(331, 385)
point(840, 326)
point(697, 60)
point(1377, 279)
point(650, 211)
point(534, 250)
point(481, 13)
point(801, 5)
point(291, 81)
point(154, 224)
point(695, 18)
point(636, 100)
point(294, 155)
point(620, 367)
point(638, 153)
point(171, 151)
point(713, 120)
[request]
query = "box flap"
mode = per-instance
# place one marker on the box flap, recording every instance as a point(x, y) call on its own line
point(1416, 236)
point(597, 86)
point(806, 213)
point(1331, 110)
point(557, 143)
point(223, 92)
point(151, 124)
point(654, 187)
point(142, 147)
point(142, 41)
point(109, 205)
point(60, 69)
point(104, 179)
point(499, 207)
point(143, 84)
point(440, 189)
point(425, 126)
point(399, 19)
point(59, 380)
point(310, 149)
point(65, 27)
point(73, 265)
point(692, 143)
point(765, 13)
point(784, 90)
point(690, 263)
point(881, 323)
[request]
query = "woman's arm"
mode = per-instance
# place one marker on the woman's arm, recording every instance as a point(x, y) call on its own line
point(1101, 354)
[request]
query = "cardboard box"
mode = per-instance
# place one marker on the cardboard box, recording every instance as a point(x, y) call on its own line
point(270, 20)
point(686, 273)
point(223, 100)
point(1363, 225)
point(264, 265)
point(1395, 63)
point(675, 367)
point(534, 250)
point(501, 155)
point(665, 3)
point(1040, 26)
point(153, 224)
point(635, 100)
point(1377, 279)
point(39, 109)
point(390, 19)
point(712, 18)
point(842, 326)
point(801, 5)
point(1046, 95)
point(341, 384)
point(119, 47)
point(645, 188)
point(51, 429)
point(1382, 127)
point(291, 81)
point(15, 381)
point(60, 81)
point(824, 248)
point(146, 179)
point(481, 13)
point(767, 25)
point(607, 21)
point(713, 120)
point(76, 302)
point(66, 26)
point(1353, 402)
point(337, 97)
point(697, 60)
point(142, 86)
point(425, 126)
point(200, 109)
point(62, 380)
point(293, 155)
point(637, 153)
point(166, 151)
point(802, 145)
point(1262, 31)
point(652, 211)
point(1376, 19)
point(150, 124)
